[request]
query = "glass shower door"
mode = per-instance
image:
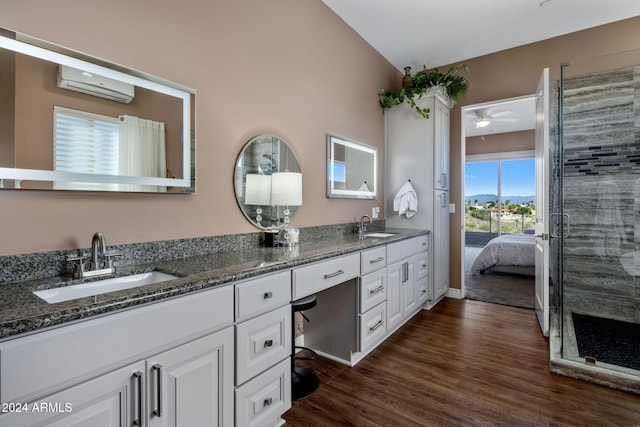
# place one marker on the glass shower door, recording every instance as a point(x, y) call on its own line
point(598, 293)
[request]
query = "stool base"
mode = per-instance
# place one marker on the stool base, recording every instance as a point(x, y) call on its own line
point(303, 383)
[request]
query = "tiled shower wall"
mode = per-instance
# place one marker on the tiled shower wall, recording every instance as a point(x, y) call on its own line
point(601, 191)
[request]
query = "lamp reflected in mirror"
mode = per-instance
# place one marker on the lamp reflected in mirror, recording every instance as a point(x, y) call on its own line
point(286, 190)
point(258, 192)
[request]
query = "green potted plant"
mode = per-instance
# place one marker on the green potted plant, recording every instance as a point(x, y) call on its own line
point(414, 86)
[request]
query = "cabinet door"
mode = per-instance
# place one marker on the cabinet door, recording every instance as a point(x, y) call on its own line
point(409, 298)
point(441, 148)
point(441, 245)
point(192, 385)
point(112, 400)
point(394, 295)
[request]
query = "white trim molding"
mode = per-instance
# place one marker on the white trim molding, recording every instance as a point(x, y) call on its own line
point(454, 293)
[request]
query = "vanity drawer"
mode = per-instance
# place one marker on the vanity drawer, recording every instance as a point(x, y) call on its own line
point(423, 243)
point(259, 295)
point(373, 259)
point(422, 289)
point(322, 275)
point(262, 342)
point(262, 401)
point(373, 289)
point(373, 327)
point(422, 264)
point(398, 251)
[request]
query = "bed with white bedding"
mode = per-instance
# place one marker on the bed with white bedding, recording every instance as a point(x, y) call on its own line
point(509, 253)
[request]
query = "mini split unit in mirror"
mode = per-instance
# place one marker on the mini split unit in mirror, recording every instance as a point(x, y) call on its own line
point(74, 122)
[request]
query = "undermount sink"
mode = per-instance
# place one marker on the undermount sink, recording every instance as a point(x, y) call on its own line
point(380, 234)
point(97, 287)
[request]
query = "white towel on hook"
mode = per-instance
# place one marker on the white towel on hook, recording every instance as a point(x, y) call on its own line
point(406, 200)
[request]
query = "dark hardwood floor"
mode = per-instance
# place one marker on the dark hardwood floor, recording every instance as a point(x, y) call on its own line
point(464, 363)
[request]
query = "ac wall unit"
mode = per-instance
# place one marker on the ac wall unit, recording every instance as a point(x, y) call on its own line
point(91, 84)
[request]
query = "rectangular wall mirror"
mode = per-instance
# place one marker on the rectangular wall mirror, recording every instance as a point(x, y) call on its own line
point(69, 121)
point(351, 169)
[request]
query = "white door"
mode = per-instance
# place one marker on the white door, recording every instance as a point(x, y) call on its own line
point(542, 204)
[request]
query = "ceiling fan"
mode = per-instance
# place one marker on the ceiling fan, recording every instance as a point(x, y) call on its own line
point(484, 117)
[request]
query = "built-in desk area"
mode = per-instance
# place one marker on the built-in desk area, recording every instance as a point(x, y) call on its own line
point(362, 297)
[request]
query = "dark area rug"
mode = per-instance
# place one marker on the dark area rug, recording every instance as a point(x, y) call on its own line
point(607, 340)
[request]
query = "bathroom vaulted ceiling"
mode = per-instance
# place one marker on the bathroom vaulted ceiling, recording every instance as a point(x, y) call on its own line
point(440, 32)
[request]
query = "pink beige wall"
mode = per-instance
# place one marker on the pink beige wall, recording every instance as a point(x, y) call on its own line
point(515, 72)
point(291, 68)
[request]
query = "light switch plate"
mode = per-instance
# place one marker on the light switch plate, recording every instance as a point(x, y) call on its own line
point(375, 211)
point(452, 208)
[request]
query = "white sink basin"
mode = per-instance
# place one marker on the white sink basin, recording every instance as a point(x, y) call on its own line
point(68, 293)
point(380, 234)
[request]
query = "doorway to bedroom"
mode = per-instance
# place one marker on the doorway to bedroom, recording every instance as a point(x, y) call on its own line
point(499, 201)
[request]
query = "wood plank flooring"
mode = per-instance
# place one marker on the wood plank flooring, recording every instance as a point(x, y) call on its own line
point(464, 363)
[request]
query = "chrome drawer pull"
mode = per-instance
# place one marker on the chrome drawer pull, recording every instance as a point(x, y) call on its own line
point(158, 370)
point(376, 290)
point(373, 261)
point(268, 343)
point(268, 295)
point(139, 383)
point(376, 326)
point(337, 273)
point(268, 401)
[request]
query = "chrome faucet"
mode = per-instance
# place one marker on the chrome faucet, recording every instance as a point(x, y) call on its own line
point(100, 262)
point(98, 248)
point(362, 227)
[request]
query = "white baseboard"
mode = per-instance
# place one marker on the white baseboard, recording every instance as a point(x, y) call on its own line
point(454, 293)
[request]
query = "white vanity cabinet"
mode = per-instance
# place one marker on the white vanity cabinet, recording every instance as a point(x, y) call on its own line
point(263, 348)
point(169, 357)
point(407, 279)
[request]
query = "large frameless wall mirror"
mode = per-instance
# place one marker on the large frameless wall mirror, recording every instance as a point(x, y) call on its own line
point(69, 121)
point(268, 182)
point(351, 169)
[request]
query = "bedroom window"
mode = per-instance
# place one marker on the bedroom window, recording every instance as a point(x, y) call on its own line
point(499, 194)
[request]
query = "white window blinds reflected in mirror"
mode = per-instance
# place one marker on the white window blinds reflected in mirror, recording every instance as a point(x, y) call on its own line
point(89, 143)
point(85, 143)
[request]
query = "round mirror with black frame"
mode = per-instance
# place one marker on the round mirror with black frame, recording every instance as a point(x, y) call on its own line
point(268, 182)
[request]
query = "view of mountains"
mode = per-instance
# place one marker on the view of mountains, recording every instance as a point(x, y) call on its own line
point(484, 198)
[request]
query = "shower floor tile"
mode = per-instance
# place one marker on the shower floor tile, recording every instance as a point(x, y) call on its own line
point(607, 340)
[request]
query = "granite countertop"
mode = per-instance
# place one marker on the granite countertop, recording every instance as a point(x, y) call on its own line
point(23, 312)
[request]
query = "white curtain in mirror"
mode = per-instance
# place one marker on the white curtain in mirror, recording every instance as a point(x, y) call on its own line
point(142, 150)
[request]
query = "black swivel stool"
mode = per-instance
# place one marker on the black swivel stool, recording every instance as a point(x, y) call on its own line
point(303, 381)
